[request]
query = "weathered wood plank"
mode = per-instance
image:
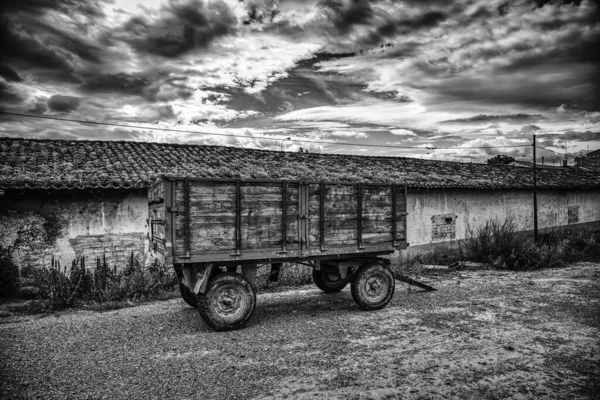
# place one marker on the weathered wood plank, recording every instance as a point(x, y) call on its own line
point(261, 205)
point(221, 218)
point(157, 211)
point(377, 207)
point(260, 189)
point(205, 192)
point(333, 189)
point(211, 207)
point(346, 208)
point(208, 245)
point(377, 240)
point(260, 237)
point(377, 190)
point(342, 197)
point(209, 189)
point(339, 235)
point(210, 198)
point(340, 242)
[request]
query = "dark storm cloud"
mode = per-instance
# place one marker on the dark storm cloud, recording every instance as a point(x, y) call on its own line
point(393, 27)
point(22, 50)
point(69, 41)
point(63, 104)
point(183, 26)
point(88, 7)
point(8, 95)
point(8, 73)
point(132, 84)
point(261, 11)
point(345, 14)
point(352, 24)
point(39, 108)
point(477, 119)
point(587, 136)
point(530, 87)
point(430, 2)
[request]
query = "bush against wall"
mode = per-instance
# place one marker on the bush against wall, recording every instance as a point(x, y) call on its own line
point(9, 274)
point(63, 287)
point(502, 245)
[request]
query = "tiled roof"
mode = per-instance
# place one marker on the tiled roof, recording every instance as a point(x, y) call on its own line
point(66, 164)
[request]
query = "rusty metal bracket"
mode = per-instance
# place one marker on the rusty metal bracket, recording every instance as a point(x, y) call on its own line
point(202, 277)
point(283, 217)
point(238, 220)
point(394, 217)
point(322, 215)
point(249, 272)
point(359, 221)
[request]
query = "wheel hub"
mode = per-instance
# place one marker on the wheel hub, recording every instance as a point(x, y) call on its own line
point(376, 287)
point(228, 301)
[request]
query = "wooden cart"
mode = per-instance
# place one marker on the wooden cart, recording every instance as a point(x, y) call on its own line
point(207, 228)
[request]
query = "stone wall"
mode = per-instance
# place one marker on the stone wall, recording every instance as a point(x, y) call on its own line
point(92, 223)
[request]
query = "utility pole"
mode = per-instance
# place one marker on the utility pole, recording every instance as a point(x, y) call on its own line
point(535, 212)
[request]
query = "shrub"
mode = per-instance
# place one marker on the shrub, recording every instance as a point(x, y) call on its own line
point(63, 288)
point(55, 285)
point(9, 274)
point(574, 244)
point(500, 244)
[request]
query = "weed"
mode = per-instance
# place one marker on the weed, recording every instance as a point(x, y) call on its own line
point(105, 285)
point(9, 274)
point(501, 245)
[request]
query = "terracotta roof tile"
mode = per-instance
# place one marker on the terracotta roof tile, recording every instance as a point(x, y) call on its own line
point(69, 164)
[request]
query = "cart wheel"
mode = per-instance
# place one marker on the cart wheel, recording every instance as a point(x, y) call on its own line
point(187, 294)
point(373, 286)
point(228, 302)
point(328, 280)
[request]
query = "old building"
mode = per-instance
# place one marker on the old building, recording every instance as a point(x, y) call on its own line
point(88, 198)
point(589, 159)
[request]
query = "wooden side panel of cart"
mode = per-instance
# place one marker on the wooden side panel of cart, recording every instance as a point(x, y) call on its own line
point(232, 222)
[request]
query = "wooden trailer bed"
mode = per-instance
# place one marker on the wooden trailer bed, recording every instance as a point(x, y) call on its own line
point(205, 227)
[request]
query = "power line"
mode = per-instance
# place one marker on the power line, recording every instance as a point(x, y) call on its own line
point(247, 137)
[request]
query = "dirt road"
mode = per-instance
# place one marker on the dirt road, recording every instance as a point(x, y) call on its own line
point(482, 335)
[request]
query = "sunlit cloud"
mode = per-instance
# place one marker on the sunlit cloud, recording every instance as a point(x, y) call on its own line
point(472, 76)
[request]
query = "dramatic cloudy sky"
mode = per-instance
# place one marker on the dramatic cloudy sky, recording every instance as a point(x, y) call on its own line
point(429, 78)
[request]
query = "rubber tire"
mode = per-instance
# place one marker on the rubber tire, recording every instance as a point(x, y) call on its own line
point(359, 284)
point(323, 282)
point(186, 294)
point(208, 313)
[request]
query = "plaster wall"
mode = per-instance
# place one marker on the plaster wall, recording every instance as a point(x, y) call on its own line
point(113, 222)
point(93, 223)
point(472, 208)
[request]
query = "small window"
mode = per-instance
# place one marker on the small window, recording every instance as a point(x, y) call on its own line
point(443, 227)
point(573, 214)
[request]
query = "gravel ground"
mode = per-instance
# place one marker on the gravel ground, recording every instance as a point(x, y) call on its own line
point(483, 334)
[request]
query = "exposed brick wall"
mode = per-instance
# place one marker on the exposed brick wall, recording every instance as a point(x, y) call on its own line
point(116, 247)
